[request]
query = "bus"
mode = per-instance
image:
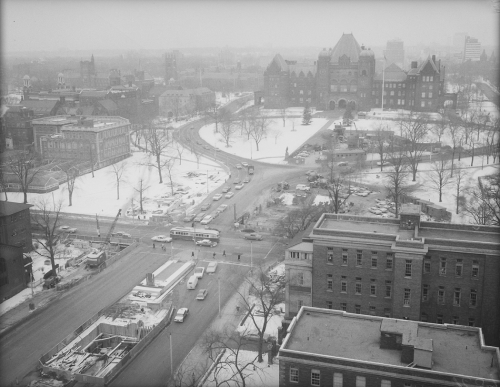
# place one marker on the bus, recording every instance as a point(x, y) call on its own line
point(194, 234)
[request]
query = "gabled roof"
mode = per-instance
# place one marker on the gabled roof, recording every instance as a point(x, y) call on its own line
point(87, 110)
point(422, 66)
point(347, 45)
point(109, 105)
point(9, 208)
point(306, 247)
point(304, 68)
point(278, 63)
point(40, 106)
point(392, 73)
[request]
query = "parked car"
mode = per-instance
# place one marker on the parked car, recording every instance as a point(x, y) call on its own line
point(202, 294)
point(253, 236)
point(206, 206)
point(238, 166)
point(246, 180)
point(199, 217)
point(68, 229)
point(239, 186)
point(226, 189)
point(207, 219)
point(229, 195)
point(206, 242)
point(181, 314)
point(217, 197)
point(212, 266)
point(199, 271)
point(244, 164)
point(236, 181)
point(189, 218)
point(222, 207)
point(161, 238)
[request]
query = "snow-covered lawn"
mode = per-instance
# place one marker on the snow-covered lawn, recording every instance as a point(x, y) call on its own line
point(98, 195)
point(287, 198)
point(264, 375)
point(273, 147)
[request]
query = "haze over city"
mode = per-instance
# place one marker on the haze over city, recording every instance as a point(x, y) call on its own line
point(85, 25)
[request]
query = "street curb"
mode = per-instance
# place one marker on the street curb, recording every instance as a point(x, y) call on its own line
point(210, 369)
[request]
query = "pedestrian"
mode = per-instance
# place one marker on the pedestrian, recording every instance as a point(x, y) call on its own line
point(138, 217)
point(154, 246)
point(214, 255)
point(192, 254)
point(224, 253)
point(163, 246)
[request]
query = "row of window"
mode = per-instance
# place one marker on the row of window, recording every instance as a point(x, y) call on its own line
point(301, 92)
point(471, 321)
point(357, 308)
point(344, 88)
point(358, 286)
point(301, 100)
point(374, 258)
point(457, 296)
point(458, 270)
point(390, 85)
point(338, 379)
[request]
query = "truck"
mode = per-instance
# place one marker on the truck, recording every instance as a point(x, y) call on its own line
point(250, 169)
point(95, 258)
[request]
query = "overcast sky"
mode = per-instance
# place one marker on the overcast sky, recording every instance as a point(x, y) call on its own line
point(86, 25)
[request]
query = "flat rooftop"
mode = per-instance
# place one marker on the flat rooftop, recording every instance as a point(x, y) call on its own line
point(362, 225)
point(458, 235)
point(357, 337)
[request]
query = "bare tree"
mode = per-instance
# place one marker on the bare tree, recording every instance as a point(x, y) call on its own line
point(46, 219)
point(25, 167)
point(159, 141)
point(72, 174)
point(397, 177)
point(483, 203)
point(228, 127)
point(3, 183)
point(455, 130)
point(118, 170)
point(188, 375)
point(267, 293)
point(440, 176)
point(179, 149)
point(223, 349)
point(283, 112)
point(440, 127)
point(260, 127)
point(414, 129)
point(140, 190)
point(460, 176)
point(169, 166)
point(244, 124)
point(381, 144)
point(276, 134)
point(297, 220)
point(213, 112)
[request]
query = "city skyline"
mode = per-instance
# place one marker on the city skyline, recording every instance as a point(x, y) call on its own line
point(33, 25)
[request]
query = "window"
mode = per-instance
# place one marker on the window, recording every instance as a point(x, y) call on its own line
point(442, 266)
point(343, 284)
point(373, 290)
point(360, 381)
point(424, 317)
point(374, 259)
point(388, 289)
point(357, 309)
point(422, 104)
point(457, 295)
point(344, 257)
point(454, 320)
point(294, 375)
point(358, 286)
point(408, 268)
point(300, 279)
point(387, 312)
point(430, 95)
point(441, 295)
point(301, 91)
point(359, 257)
point(343, 306)
point(427, 265)
point(471, 321)
point(407, 297)
point(329, 305)
point(315, 377)
point(475, 269)
point(439, 319)
point(385, 383)
point(389, 261)
point(329, 255)
point(423, 95)
point(338, 378)
point(425, 292)
point(473, 298)
point(329, 282)
point(373, 310)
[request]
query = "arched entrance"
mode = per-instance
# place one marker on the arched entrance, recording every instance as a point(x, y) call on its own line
point(342, 104)
point(332, 105)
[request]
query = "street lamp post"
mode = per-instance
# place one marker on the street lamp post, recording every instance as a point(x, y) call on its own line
point(207, 181)
point(218, 279)
point(251, 257)
point(171, 360)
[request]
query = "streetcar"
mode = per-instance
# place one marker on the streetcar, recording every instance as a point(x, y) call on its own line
point(193, 233)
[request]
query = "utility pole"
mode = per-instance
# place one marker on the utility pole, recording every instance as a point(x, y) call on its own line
point(251, 257)
point(218, 279)
point(171, 361)
point(207, 181)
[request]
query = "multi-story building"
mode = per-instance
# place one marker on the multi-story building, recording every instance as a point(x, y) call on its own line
point(472, 49)
point(15, 225)
point(18, 129)
point(345, 75)
point(15, 271)
point(395, 53)
point(99, 140)
point(175, 103)
point(170, 67)
point(402, 268)
point(333, 348)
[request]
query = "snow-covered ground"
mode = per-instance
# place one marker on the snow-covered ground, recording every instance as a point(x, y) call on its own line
point(272, 148)
point(264, 375)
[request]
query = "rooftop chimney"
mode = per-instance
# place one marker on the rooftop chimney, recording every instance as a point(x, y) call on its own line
point(434, 58)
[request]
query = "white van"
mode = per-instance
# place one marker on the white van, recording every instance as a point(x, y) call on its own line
point(199, 271)
point(192, 282)
point(207, 219)
point(302, 187)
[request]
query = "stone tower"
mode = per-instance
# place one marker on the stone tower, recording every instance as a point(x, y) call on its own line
point(323, 79)
point(366, 72)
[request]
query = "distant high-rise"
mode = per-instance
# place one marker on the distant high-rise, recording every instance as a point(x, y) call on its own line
point(459, 40)
point(395, 53)
point(472, 49)
point(170, 67)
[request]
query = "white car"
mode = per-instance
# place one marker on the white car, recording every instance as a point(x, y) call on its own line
point(71, 230)
point(244, 164)
point(212, 266)
point(238, 166)
point(161, 238)
point(222, 208)
point(207, 219)
point(239, 186)
point(181, 314)
point(206, 242)
point(229, 195)
point(217, 197)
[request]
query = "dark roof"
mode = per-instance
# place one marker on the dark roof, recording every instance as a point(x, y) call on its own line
point(392, 73)
point(157, 90)
point(40, 106)
point(347, 45)
point(87, 110)
point(93, 93)
point(304, 68)
point(9, 208)
point(109, 105)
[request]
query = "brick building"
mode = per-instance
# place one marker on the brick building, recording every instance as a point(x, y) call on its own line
point(14, 276)
point(18, 129)
point(100, 140)
point(402, 268)
point(15, 225)
point(176, 103)
point(333, 348)
point(345, 75)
